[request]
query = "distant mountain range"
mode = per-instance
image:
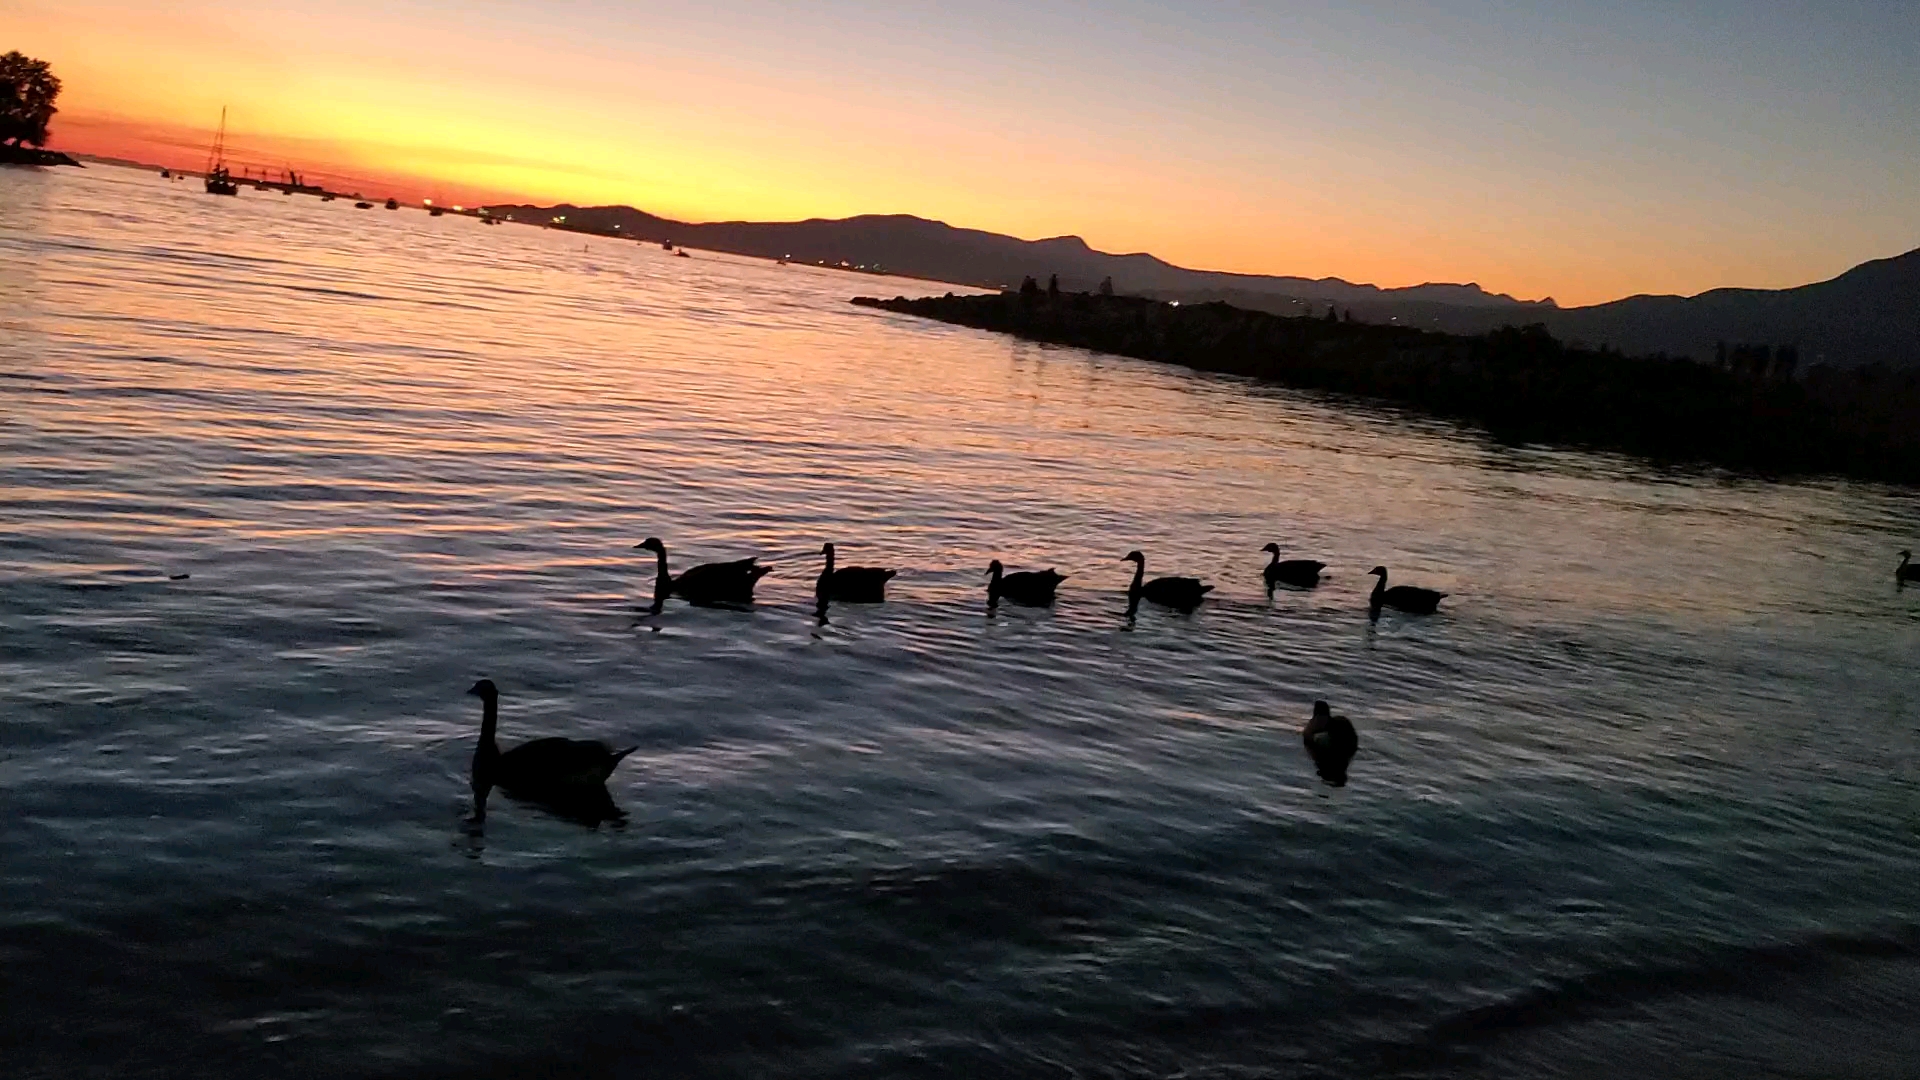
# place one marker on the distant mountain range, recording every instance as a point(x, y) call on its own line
point(1870, 314)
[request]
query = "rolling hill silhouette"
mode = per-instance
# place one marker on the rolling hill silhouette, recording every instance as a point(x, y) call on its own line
point(1868, 315)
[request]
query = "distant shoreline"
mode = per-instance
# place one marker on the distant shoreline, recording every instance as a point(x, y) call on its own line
point(20, 155)
point(1519, 384)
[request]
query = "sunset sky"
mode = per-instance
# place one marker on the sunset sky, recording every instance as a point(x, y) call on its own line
point(1597, 150)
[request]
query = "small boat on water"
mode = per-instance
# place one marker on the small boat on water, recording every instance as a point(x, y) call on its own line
point(165, 175)
point(393, 204)
point(328, 197)
point(434, 211)
point(219, 182)
point(363, 205)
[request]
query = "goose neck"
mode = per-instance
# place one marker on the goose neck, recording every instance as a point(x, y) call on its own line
point(489, 723)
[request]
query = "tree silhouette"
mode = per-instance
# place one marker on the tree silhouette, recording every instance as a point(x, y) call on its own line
point(1029, 287)
point(1332, 315)
point(27, 90)
point(1053, 285)
point(1106, 286)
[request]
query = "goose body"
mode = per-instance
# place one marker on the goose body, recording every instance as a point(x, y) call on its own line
point(1180, 593)
point(708, 583)
point(851, 584)
point(543, 767)
point(1299, 573)
point(1033, 588)
point(1331, 742)
point(1906, 572)
point(1408, 598)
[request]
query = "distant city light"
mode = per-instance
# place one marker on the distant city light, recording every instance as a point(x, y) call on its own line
point(457, 208)
point(426, 202)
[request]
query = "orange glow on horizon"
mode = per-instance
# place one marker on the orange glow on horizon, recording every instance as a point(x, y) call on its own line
point(472, 107)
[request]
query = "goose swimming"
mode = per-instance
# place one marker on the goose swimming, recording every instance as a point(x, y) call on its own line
point(851, 584)
point(1299, 573)
point(1905, 572)
point(1033, 588)
point(708, 583)
point(1331, 742)
point(1183, 594)
point(551, 767)
point(1408, 598)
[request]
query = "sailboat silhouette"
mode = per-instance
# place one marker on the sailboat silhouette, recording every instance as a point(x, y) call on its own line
point(218, 181)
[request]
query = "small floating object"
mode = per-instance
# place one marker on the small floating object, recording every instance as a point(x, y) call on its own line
point(682, 254)
point(851, 584)
point(178, 577)
point(393, 204)
point(363, 205)
point(1331, 742)
point(1408, 598)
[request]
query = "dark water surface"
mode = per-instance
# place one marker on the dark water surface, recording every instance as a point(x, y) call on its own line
point(1643, 800)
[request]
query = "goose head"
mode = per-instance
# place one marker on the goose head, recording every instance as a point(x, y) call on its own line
point(1274, 548)
point(484, 690)
point(994, 569)
point(1134, 557)
point(1322, 711)
point(1379, 570)
point(1906, 556)
point(653, 544)
point(827, 550)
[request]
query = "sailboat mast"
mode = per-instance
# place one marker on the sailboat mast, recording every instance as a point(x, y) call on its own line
point(219, 155)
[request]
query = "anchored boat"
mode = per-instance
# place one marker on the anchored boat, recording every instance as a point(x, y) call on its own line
point(219, 182)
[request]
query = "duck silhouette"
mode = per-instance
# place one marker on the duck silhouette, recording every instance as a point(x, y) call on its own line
point(851, 584)
point(1331, 742)
point(1032, 588)
point(1182, 594)
point(1408, 598)
point(707, 584)
point(561, 772)
point(1299, 573)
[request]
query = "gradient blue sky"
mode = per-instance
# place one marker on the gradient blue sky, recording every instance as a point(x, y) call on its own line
point(1583, 150)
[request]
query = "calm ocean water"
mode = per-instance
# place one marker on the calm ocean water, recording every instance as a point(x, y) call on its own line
point(1644, 799)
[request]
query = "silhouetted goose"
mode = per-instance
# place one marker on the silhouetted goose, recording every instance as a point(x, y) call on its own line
point(1033, 588)
point(708, 583)
point(544, 767)
point(852, 584)
point(1407, 598)
point(1180, 593)
point(1905, 572)
point(1299, 573)
point(1331, 742)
